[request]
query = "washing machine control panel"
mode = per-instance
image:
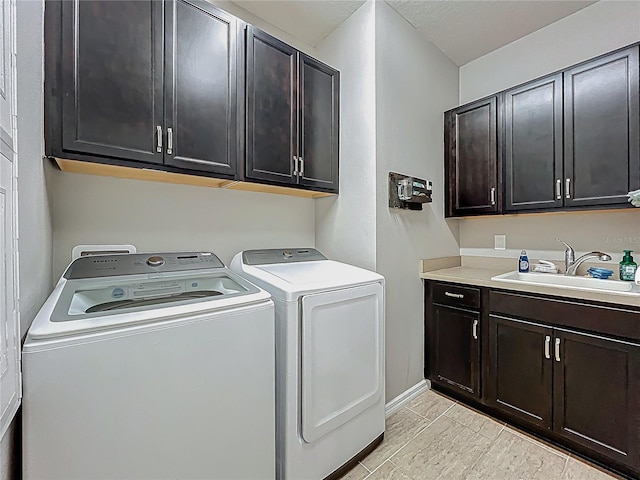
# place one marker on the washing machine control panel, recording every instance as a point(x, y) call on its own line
point(281, 255)
point(95, 266)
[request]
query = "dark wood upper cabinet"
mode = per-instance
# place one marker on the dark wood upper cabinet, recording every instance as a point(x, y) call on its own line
point(319, 123)
point(112, 78)
point(201, 102)
point(569, 140)
point(520, 369)
point(272, 108)
point(596, 392)
point(471, 159)
point(292, 115)
point(184, 87)
point(455, 349)
point(533, 145)
point(602, 130)
point(145, 81)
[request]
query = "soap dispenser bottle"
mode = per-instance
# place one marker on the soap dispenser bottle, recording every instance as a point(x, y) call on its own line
point(523, 262)
point(628, 267)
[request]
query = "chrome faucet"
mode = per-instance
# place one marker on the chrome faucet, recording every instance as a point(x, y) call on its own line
point(571, 264)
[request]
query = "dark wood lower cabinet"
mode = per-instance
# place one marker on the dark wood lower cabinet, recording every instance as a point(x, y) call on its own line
point(520, 368)
point(596, 394)
point(566, 370)
point(456, 356)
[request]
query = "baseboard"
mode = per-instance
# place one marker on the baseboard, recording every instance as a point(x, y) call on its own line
point(405, 397)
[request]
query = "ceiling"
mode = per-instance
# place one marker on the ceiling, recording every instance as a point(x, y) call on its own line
point(463, 30)
point(466, 30)
point(306, 20)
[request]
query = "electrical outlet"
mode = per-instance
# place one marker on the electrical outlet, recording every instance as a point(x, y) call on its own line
point(499, 242)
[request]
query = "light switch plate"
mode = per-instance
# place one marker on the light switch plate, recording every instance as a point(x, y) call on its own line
point(499, 242)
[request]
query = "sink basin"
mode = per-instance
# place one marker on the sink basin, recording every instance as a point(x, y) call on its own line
point(572, 283)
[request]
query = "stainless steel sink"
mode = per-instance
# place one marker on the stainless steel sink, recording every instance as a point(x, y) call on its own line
point(572, 283)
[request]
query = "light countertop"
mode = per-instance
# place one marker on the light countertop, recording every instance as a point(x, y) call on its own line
point(481, 277)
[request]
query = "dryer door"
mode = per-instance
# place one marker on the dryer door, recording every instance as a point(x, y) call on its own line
point(342, 356)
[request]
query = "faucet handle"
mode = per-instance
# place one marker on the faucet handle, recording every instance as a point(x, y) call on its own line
point(567, 246)
point(569, 255)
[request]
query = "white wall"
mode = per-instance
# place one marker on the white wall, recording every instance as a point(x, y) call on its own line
point(415, 84)
point(345, 225)
point(610, 232)
point(34, 222)
point(157, 216)
point(592, 31)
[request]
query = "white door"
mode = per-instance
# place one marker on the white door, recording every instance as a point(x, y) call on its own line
point(9, 338)
point(342, 356)
point(6, 75)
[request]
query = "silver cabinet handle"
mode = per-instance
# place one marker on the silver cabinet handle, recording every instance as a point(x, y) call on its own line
point(295, 166)
point(557, 349)
point(475, 329)
point(558, 189)
point(493, 195)
point(454, 295)
point(159, 144)
point(567, 187)
point(547, 347)
point(169, 141)
point(301, 166)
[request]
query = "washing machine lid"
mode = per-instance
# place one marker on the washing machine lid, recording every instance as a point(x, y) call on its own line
point(87, 299)
point(299, 271)
point(90, 298)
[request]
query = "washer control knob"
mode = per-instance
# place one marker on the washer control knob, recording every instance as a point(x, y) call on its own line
point(155, 261)
point(287, 254)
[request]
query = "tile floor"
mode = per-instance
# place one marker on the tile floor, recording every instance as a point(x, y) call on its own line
point(434, 437)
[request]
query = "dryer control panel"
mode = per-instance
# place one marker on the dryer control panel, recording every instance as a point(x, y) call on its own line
point(96, 266)
point(281, 255)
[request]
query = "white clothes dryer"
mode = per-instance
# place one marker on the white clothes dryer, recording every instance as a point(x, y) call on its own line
point(330, 409)
point(150, 367)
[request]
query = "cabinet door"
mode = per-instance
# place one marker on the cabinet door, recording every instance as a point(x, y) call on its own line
point(455, 349)
point(272, 111)
point(520, 369)
point(319, 124)
point(200, 96)
point(112, 78)
point(597, 394)
point(533, 145)
point(602, 132)
point(472, 159)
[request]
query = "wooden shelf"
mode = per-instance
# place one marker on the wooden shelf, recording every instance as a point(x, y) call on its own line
point(259, 187)
point(89, 168)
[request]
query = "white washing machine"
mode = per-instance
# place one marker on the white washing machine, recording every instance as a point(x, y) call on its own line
point(150, 367)
point(329, 359)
